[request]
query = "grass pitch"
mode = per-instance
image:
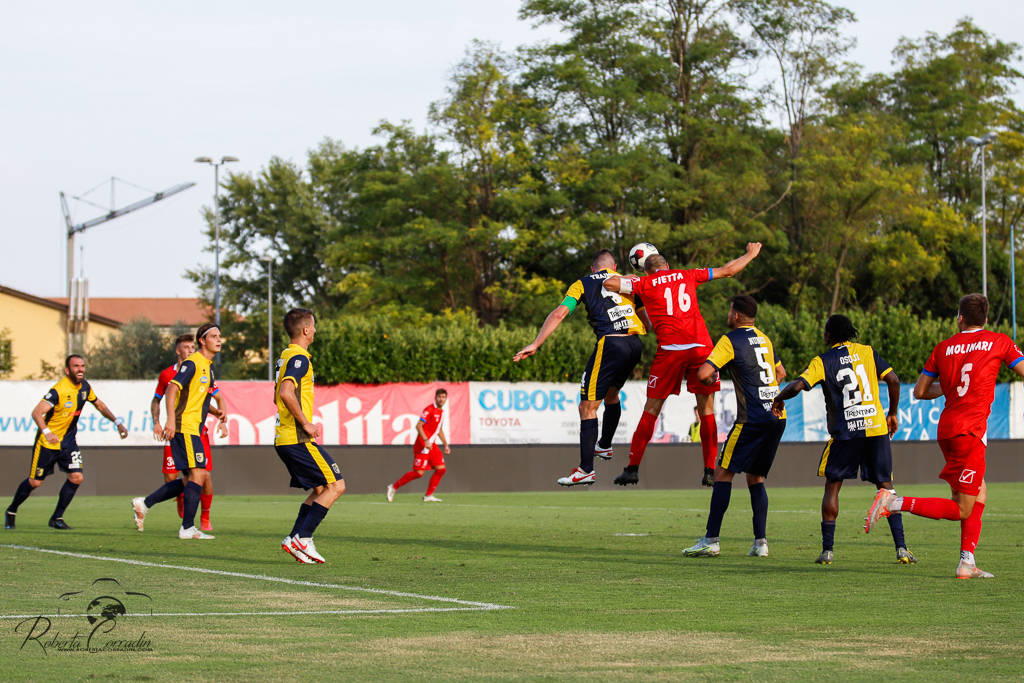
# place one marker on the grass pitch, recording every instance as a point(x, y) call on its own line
point(570, 584)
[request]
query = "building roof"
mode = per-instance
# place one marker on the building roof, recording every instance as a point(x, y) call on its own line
point(59, 304)
point(162, 312)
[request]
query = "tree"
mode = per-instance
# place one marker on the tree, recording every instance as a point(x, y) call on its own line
point(139, 350)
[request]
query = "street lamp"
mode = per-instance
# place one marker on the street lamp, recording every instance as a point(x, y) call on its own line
point(216, 228)
point(270, 318)
point(980, 144)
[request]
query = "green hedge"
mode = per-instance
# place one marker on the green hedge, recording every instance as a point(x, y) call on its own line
point(411, 346)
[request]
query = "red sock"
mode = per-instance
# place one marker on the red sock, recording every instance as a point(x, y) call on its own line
point(935, 508)
point(970, 528)
point(406, 478)
point(181, 505)
point(708, 439)
point(641, 437)
point(205, 501)
point(435, 479)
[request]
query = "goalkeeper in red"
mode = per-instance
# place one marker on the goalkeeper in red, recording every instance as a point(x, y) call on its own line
point(670, 297)
point(966, 366)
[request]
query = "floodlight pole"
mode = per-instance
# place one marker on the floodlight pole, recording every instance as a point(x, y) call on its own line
point(216, 228)
point(270, 318)
point(980, 143)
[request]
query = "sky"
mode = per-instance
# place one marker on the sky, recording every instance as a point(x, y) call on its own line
point(137, 90)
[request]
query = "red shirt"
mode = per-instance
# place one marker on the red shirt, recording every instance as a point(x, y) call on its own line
point(967, 364)
point(431, 419)
point(670, 297)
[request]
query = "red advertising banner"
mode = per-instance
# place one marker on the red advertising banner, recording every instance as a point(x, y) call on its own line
point(352, 414)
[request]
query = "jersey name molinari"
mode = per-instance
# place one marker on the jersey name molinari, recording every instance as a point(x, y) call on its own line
point(959, 349)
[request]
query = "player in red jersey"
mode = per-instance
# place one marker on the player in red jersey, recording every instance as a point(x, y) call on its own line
point(184, 346)
point(670, 297)
point(426, 454)
point(966, 366)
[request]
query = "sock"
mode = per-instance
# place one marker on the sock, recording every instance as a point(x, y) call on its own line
point(828, 535)
point(165, 492)
point(641, 437)
point(970, 529)
point(609, 424)
point(67, 492)
point(303, 511)
point(406, 478)
point(205, 501)
point(720, 495)
point(759, 506)
point(588, 436)
point(24, 491)
point(316, 514)
point(896, 527)
point(192, 493)
point(709, 439)
point(435, 479)
point(933, 508)
point(181, 505)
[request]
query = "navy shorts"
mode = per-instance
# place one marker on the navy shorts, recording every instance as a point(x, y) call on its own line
point(751, 447)
point(188, 452)
point(872, 455)
point(309, 464)
point(67, 457)
point(610, 365)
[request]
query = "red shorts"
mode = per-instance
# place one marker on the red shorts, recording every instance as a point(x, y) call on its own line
point(169, 467)
point(965, 463)
point(670, 368)
point(427, 461)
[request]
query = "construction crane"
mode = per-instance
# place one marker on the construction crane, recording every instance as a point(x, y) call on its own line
point(78, 314)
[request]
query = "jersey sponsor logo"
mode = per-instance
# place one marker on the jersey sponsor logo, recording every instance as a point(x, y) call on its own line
point(298, 363)
point(204, 379)
point(616, 312)
point(68, 404)
point(653, 381)
point(967, 476)
point(859, 412)
point(856, 426)
point(767, 393)
point(957, 349)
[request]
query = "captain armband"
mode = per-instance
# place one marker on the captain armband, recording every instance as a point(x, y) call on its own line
point(570, 303)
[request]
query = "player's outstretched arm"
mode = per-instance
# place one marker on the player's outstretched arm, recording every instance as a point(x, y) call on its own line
point(551, 324)
point(892, 381)
point(109, 414)
point(790, 390)
point(926, 389)
point(736, 265)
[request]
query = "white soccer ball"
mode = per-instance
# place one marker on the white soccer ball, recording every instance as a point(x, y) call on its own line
point(639, 253)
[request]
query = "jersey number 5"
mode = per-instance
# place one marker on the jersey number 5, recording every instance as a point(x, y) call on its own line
point(767, 375)
point(965, 379)
point(684, 299)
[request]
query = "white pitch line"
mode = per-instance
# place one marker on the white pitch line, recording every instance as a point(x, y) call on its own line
point(256, 614)
point(468, 604)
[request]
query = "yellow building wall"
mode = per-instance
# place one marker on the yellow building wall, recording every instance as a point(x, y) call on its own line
point(37, 334)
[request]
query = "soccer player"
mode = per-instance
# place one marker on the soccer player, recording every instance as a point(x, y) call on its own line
point(426, 454)
point(184, 346)
point(849, 374)
point(670, 297)
point(310, 466)
point(966, 366)
point(748, 354)
point(188, 402)
point(617, 322)
point(56, 443)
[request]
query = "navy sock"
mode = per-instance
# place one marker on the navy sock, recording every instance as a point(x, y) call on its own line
point(303, 511)
point(171, 489)
point(896, 527)
point(609, 424)
point(720, 495)
point(316, 514)
point(192, 493)
point(759, 506)
point(67, 492)
point(828, 535)
point(588, 438)
point(24, 491)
